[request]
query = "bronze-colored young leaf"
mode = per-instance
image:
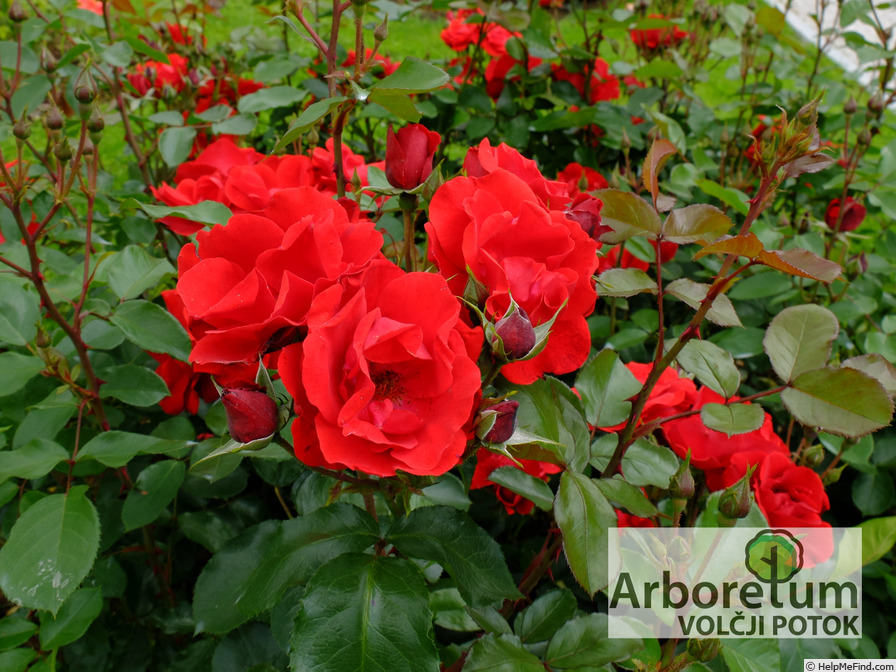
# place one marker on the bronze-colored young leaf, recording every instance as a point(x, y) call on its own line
point(747, 245)
point(801, 263)
point(628, 215)
point(659, 153)
point(695, 222)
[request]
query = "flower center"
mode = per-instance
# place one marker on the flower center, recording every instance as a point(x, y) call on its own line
point(388, 385)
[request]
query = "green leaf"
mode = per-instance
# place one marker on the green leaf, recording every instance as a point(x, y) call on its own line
point(693, 293)
point(34, 459)
point(142, 47)
point(873, 493)
point(583, 641)
point(73, 619)
point(17, 660)
point(175, 144)
point(132, 271)
point(644, 463)
point(606, 385)
point(155, 488)
point(845, 401)
point(115, 449)
point(628, 215)
point(489, 619)
point(541, 619)
point(526, 485)
point(501, 653)
point(301, 546)
point(466, 551)
point(252, 648)
point(240, 124)
point(29, 95)
point(584, 515)
point(19, 314)
point(752, 655)
point(733, 198)
point(311, 115)
point(624, 282)
point(875, 366)
point(402, 106)
point(696, 223)
point(365, 612)
point(549, 409)
point(412, 76)
point(118, 54)
point(627, 496)
point(50, 550)
point(270, 98)
point(214, 114)
point(733, 419)
point(223, 580)
point(153, 328)
point(135, 385)
point(16, 370)
point(713, 366)
point(14, 631)
point(878, 537)
point(204, 212)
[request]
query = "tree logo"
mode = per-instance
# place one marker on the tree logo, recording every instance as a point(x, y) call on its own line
point(774, 556)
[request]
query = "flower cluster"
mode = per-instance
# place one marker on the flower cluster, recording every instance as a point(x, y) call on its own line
point(651, 39)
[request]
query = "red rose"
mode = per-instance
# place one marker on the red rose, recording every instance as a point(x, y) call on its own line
point(585, 210)
point(672, 394)
point(789, 495)
point(487, 462)
point(505, 420)
point(580, 179)
point(629, 520)
point(497, 70)
point(654, 38)
point(158, 75)
point(409, 155)
point(459, 35)
point(601, 86)
point(853, 214)
point(497, 229)
point(251, 413)
point(724, 458)
point(386, 379)
point(246, 284)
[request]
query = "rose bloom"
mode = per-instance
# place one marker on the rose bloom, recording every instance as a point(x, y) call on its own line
point(654, 38)
point(603, 85)
point(499, 230)
point(381, 66)
point(459, 35)
point(722, 457)
point(386, 379)
point(497, 70)
point(487, 462)
point(94, 6)
point(409, 154)
point(629, 520)
point(580, 179)
point(247, 286)
point(485, 159)
point(158, 75)
point(671, 395)
point(853, 214)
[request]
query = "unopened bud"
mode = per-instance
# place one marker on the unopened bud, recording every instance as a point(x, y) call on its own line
point(22, 129)
point(813, 456)
point(251, 414)
point(737, 500)
point(54, 119)
point(47, 60)
point(704, 650)
point(85, 87)
point(876, 103)
point(17, 12)
point(625, 142)
point(864, 137)
point(96, 123)
point(381, 32)
point(62, 151)
point(505, 420)
point(682, 484)
point(516, 334)
point(850, 107)
point(89, 147)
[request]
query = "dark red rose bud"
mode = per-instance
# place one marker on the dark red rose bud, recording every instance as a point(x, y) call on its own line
point(409, 155)
point(736, 501)
point(586, 211)
point(505, 421)
point(251, 414)
point(516, 333)
point(17, 12)
point(853, 214)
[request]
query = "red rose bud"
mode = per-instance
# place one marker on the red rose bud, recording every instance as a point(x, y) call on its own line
point(505, 421)
point(853, 214)
point(251, 414)
point(409, 155)
point(516, 333)
point(586, 211)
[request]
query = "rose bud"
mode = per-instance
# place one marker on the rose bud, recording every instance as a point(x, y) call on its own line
point(704, 650)
point(505, 421)
point(409, 155)
point(586, 211)
point(251, 414)
point(737, 500)
point(853, 214)
point(516, 333)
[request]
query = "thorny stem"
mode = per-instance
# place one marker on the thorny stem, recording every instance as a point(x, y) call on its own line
point(536, 570)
